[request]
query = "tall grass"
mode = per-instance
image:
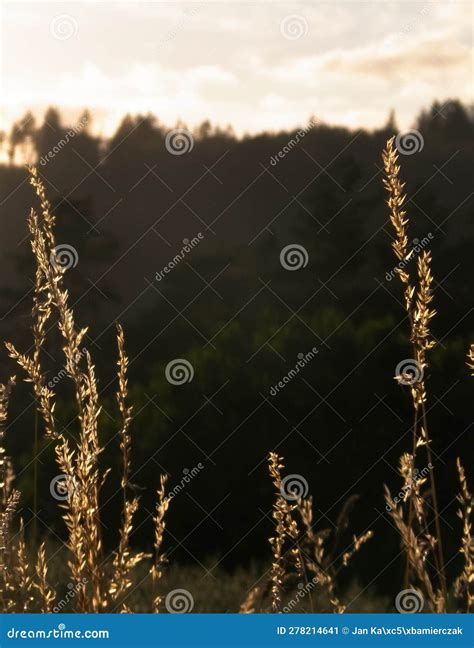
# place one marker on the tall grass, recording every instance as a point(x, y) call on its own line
point(97, 587)
point(415, 525)
point(302, 554)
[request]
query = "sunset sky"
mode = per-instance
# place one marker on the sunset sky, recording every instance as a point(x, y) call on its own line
point(255, 65)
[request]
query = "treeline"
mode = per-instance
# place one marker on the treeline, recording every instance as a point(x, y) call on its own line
point(36, 142)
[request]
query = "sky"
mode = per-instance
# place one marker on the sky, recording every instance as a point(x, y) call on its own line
point(263, 65)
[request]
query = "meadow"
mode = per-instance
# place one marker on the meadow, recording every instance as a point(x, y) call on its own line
point(306, 559)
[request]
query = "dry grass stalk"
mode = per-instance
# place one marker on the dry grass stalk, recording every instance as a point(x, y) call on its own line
point(78, 461)
point(464, 584)
point(46, 592)
point(159, 557)
point(21, 574)
point(7, 553)
point(5, 469)
point(125, 410)
point(315, 554)
point(418, 298)
point(302, 554)
point(124, 560)
point(286, 531)
point(82, 464)
point(73, 517)
point(252, 603)
point(418, 543)
point(396, 200)
point(9, 499)
point(320, 549)
point(470, 355)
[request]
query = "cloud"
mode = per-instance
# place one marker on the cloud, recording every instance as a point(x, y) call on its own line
point(229, 61)
point(396, 56)
point(401, 57)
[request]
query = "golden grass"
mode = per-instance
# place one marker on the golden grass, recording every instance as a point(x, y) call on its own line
point(464, 584)
point(419, 543)
point(301, 553)
point(95, 589)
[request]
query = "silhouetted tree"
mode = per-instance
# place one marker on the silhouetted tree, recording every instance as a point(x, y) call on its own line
point(391, 124)
point(49, 133)
point(449, 120)
point(22, 134)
